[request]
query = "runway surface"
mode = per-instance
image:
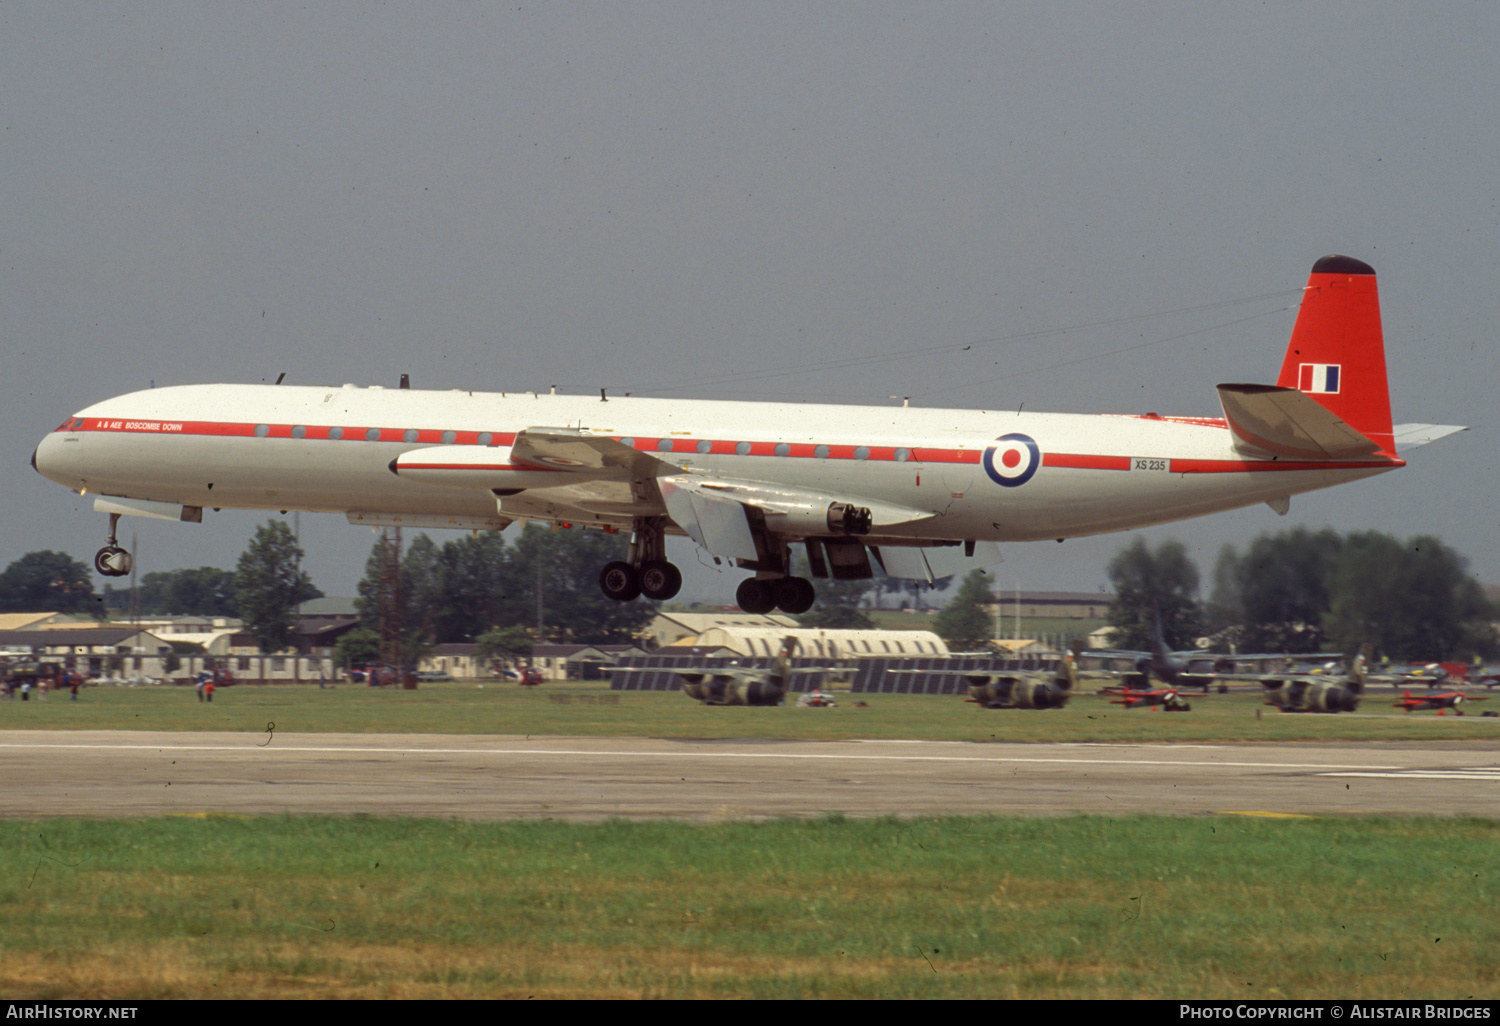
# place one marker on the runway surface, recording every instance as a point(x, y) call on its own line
point(119, 773)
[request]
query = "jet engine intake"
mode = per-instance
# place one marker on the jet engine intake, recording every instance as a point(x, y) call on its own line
point(807, 519)
point(844, 518)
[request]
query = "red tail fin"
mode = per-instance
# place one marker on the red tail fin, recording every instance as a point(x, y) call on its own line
point(1337, 352)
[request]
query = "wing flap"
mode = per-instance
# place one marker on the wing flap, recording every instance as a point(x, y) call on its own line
point(933, 563)
point(718, 523)
point(799, 504)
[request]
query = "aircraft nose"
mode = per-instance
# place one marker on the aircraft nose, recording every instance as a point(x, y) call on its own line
point(48, 460)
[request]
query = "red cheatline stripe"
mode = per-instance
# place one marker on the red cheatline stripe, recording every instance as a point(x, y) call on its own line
point(1180, 466)
point(1080, 461)
point(434, 436)
point(794, 450)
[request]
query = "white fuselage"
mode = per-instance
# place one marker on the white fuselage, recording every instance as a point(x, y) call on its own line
point(273, 447)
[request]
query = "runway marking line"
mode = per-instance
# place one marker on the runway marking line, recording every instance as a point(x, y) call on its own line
point(1490, 775)
point(829, 756)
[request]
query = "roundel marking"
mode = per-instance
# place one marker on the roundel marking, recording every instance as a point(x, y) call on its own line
point(1012, 461)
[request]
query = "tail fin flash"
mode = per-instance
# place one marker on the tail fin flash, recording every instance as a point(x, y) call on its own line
point(1337, 352)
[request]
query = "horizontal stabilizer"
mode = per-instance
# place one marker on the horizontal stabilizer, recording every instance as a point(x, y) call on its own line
point(1271, 420)
point(1409, 436)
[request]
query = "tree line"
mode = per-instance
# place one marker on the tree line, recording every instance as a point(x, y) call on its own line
point(502, 596)
point(1309, 591)
point(543, 587)
point(263, 591)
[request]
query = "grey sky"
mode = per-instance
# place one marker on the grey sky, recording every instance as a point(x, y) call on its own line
point(677, 198)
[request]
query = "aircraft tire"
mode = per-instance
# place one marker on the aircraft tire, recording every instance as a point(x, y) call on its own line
point(794, 595)
point(619, 581)
point(660, 580)
point(113, 561)
point(755, 596)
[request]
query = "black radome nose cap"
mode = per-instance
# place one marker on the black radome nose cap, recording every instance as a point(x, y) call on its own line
point(33, 461)
point(1336, 264)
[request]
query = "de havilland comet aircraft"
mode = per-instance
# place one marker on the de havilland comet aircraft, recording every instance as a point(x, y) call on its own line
point(923, 493)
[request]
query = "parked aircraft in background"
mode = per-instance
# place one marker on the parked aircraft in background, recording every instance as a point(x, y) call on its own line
point(1454, 700)
point(1182, 669)
point(1317, 693)
point(1145, 698)
point(923, 494)
point(743, 685)
point(1022, 689)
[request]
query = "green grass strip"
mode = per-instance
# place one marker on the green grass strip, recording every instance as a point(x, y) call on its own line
point(1156, 907)
point(594, 711)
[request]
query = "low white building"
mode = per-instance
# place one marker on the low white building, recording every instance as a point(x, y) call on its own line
point(100, 651)
point(674, 628)
point(825, 643)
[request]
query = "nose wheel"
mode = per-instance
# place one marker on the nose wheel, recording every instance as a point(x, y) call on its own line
point(113, 561)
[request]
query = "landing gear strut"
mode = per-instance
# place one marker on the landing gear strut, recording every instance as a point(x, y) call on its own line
point(113, 561)
point(647, 573)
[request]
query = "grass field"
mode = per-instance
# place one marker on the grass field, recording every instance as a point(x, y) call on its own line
point(359, 907)
point(955, 907)
point(591, 710)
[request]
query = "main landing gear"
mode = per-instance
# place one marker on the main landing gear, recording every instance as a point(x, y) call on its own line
point(113, 561)
point(647, 573)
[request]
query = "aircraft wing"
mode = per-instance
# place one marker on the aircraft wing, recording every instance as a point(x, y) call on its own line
point(578, 449)
point(574, 474)
point(561, 474)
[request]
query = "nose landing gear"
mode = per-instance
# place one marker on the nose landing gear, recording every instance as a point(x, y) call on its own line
point(113, 561)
